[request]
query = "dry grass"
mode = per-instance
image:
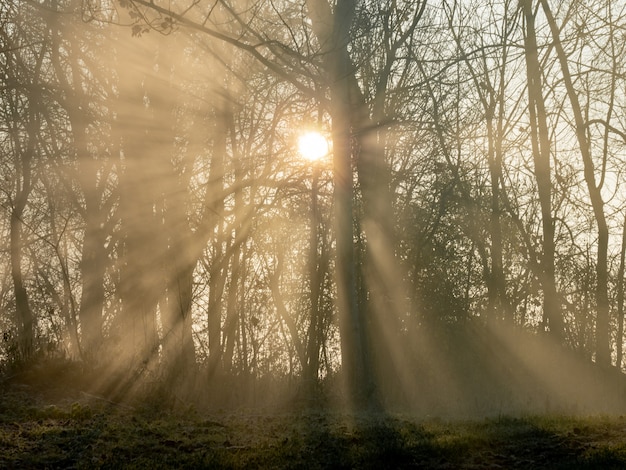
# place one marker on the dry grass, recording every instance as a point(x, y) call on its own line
point(57, 427)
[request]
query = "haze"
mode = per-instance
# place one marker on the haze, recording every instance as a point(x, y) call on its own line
point(449, 241)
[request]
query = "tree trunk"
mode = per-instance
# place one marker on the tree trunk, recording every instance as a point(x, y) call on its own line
point(24, 315)
point(351, 324)
point(214, 204)
point(141, 240)
point(23, 167)
point(231, 326)
point(620, 301)
point(541, 154)
point(234, 307)
point(311, 367)
point(178, 345)
point(284, 314)
point(94, 254)
point(92, 267)
point(603, 352)
point(332, 29)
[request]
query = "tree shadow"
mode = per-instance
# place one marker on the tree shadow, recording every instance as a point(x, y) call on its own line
point(382, 441)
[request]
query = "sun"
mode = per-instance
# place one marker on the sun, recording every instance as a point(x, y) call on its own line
point(312, 146)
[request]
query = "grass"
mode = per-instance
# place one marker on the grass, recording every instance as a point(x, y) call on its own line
point(86, 432)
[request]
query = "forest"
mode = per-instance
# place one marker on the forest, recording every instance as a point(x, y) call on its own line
point(457, 249)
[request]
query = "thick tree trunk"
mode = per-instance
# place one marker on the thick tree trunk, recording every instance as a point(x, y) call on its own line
point(352, 324)
point(350, 316)
point(332, 29)
point(94, 256)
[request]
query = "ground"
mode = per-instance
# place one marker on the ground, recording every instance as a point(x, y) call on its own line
point(45, 428)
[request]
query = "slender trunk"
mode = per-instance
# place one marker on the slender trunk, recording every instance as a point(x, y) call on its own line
point(286, 317)
point(620, 301)
point(23, 164)
point(24, 315)
point(498, 298)
point(92, 267)
point(217, 281)
point(243, 321)
point(311, 368)
point(493, 106)
point(496, 209)
point(603, 353)
point(178, 337)
point(496, 276)
point(541, 154)
point(234, 307)
point(214, 203)
point(496, 162)
point(232, 317)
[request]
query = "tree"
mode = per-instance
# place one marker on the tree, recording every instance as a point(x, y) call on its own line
point(23, 103)
point(492, 80)
point(542, 155)
point(156, 218)
point(350, 118)
point(91, 166)
point(594, 187)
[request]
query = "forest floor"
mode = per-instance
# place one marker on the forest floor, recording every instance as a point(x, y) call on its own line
point(64, 428)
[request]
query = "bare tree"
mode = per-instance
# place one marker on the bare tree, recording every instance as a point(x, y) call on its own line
point(23, 102)
point(594, 188)
point(542, 156)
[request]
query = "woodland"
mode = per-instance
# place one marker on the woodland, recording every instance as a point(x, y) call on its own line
point(458, 250)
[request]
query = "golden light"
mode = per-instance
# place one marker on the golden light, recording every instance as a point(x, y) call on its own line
point(312, 145)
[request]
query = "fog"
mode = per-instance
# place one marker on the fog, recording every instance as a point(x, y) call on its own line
point(292, 207)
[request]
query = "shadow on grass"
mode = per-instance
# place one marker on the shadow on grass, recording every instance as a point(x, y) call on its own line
point(94, 435)
point(383, 442)
point(373, 441)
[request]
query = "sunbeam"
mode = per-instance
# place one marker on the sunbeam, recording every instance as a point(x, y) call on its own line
point(356, 209)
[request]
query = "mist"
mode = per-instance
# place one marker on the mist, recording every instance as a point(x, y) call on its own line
point(441, 244)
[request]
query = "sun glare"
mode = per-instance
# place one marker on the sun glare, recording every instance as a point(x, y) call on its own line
point(312, 146)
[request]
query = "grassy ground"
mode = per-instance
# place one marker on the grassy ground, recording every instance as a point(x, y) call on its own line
point(77, 430)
